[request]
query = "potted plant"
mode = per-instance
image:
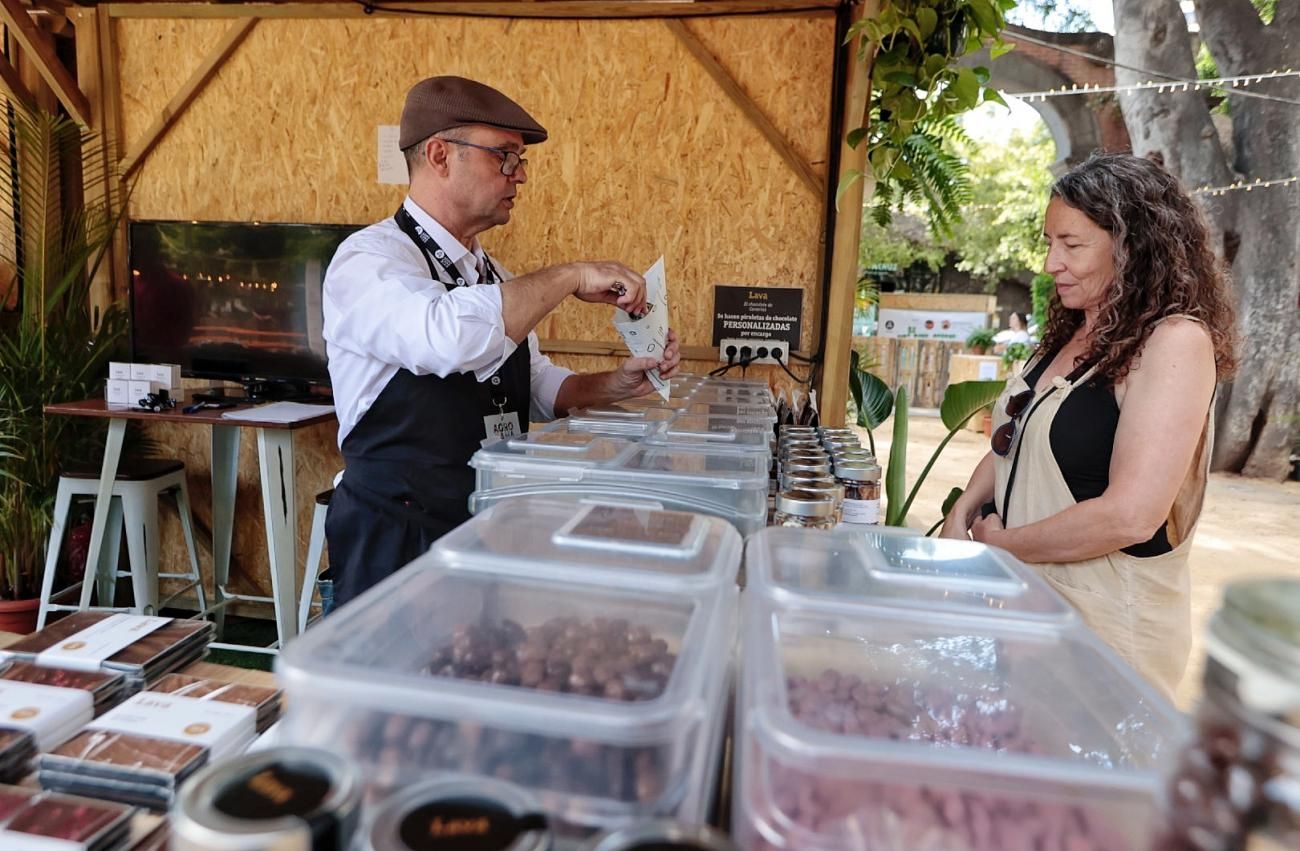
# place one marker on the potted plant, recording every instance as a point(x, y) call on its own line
point(980, 340)
point(1016, 355)
point(52, 347)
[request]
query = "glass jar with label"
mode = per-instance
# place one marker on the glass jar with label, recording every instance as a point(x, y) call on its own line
point(834, 446)
point(459, 813)
point(861, 483)
point(295, 798)
point(807, 468)
point(852, 456)
point(820, 485)
point(804, 456)
point(1236, 786)
point(804, 510)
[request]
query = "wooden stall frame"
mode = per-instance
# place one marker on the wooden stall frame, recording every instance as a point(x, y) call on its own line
point(837, 335)
point(40, 50)
point(585, 9)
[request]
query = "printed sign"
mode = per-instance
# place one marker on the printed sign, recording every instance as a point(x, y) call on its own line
point(757, 313)
point(930, 324)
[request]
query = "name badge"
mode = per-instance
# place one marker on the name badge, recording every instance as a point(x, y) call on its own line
point(502, 426)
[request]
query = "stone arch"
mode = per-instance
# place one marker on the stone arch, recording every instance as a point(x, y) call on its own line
point(1080, 124)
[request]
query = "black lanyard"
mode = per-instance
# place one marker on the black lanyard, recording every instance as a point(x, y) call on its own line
point(432, 251)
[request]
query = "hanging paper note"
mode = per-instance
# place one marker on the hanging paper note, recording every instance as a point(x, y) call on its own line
point(647, 335)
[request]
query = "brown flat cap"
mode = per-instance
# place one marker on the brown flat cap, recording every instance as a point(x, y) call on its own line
point(441, 103)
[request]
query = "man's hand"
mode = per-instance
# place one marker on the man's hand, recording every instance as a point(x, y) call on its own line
point(610, 283)
point(630, 379)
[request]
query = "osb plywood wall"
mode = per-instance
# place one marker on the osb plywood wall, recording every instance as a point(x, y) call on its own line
point(647, 156)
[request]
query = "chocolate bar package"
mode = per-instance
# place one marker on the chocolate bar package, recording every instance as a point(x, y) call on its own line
point(265, 700)
point(124, 757)
point(17, 747)
point(91, 825)
point(140, 647)
point(106, 688)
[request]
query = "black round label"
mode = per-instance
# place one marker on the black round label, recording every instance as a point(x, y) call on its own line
point(464, 824)
point(274, 791)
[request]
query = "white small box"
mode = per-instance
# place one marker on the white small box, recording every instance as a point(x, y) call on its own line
point(120, 370)
point(166, 374)
point(117, 393)
point(141, 372)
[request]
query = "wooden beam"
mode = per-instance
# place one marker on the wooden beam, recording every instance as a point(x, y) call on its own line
point(14, 84)
point(833, 395)
point(568, 9)
point(40, 50)
point(175, 108)
point(751, 110)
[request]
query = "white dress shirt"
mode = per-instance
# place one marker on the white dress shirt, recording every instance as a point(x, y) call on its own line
point(383, 313)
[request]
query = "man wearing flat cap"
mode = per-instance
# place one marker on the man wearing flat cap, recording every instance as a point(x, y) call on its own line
point(430, 341)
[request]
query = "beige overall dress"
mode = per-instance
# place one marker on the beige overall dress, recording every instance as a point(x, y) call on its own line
point(1140, 606)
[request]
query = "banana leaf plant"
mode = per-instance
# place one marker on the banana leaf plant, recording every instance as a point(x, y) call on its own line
point(875, 402)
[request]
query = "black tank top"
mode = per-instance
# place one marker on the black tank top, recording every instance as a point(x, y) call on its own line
point(1083, 438)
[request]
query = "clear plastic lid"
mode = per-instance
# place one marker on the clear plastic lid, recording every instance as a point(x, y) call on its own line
point(575, 448)
point(632, 545)
point(874, 703)
point(850, 568)
point(624, 411)
point(719, 432)
point(730, 470)
point(456, 643)
point(560, 430)
point(761, 411)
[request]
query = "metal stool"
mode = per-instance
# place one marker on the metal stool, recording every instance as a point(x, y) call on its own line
point(315, 551)
point(134, 504)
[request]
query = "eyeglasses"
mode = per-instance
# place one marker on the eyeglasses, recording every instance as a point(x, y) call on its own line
point(1006, 433)
point(511, 162)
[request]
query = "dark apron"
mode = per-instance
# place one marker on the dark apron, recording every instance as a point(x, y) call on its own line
point(407, 477)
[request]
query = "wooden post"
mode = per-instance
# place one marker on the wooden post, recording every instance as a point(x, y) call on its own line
point(97, 172)
point(833, 386)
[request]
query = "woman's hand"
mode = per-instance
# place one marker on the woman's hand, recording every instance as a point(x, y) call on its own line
point(956, 524)
point(989, 530)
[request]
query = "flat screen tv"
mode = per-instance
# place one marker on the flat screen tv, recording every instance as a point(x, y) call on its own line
point(235, 301)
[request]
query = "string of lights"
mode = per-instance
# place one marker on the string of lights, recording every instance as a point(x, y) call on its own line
point(1247, 185)
point(1161, 86)
point(1103, 60)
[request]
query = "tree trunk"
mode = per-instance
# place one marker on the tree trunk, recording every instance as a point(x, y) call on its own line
point(1255, 232)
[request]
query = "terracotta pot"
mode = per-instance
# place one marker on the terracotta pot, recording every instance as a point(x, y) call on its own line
point(19, 615)
point(988, 423)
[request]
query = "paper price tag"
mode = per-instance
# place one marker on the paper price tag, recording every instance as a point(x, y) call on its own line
point(647, 336)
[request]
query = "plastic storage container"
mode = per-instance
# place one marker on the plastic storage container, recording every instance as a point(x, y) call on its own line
point(714, 432)
point(721, 483)
point(589, 541)
point(607, 704)
point(856, 566)
point(903, 732)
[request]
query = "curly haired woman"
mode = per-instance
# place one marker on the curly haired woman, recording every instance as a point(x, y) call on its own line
point(1101, 446)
